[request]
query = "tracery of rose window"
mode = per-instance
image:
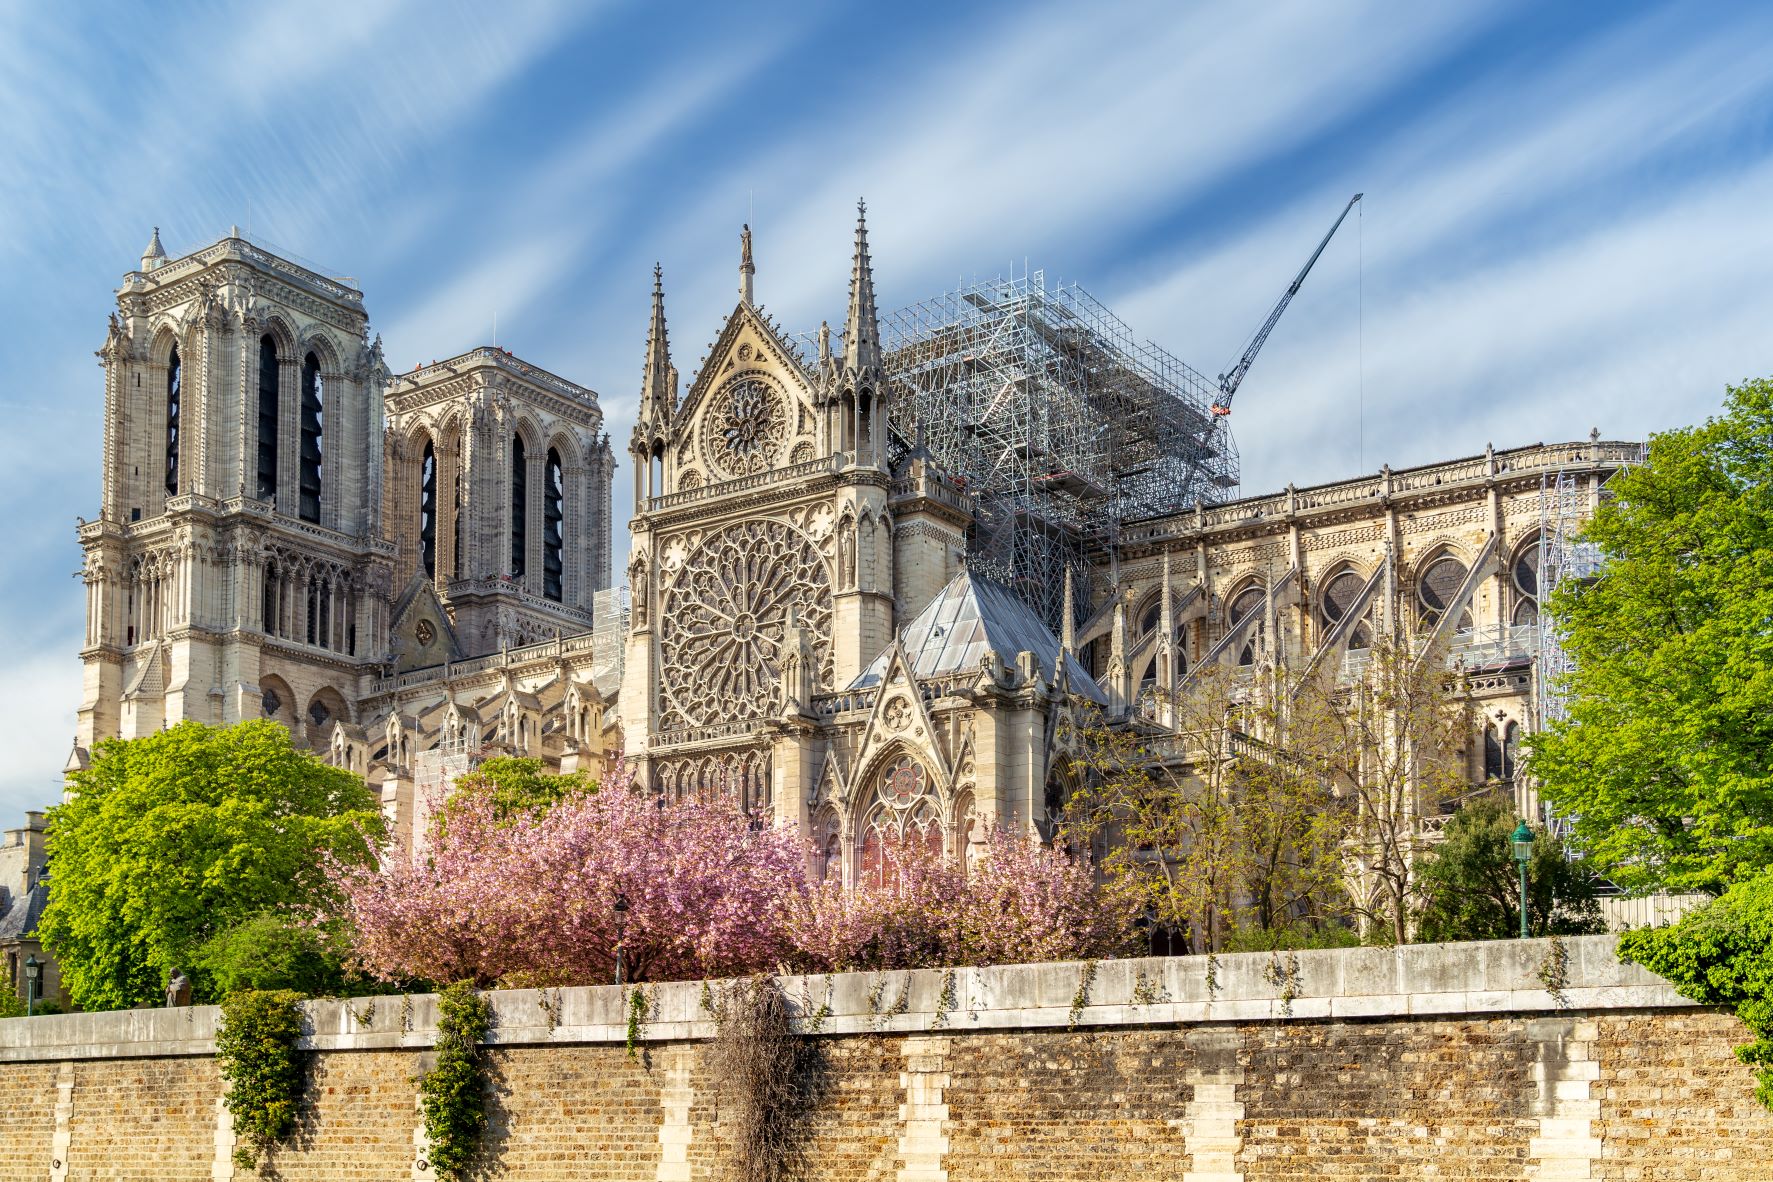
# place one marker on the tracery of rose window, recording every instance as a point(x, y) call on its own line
point(722, 621)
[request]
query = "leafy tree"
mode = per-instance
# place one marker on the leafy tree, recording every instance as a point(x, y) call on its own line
point(169, 840)
point(1389, 749)
point(1156, 810)
point(1471, 882)
point(1722, 954)
point(1665, 760)
point(271, 951)
point(514, 787)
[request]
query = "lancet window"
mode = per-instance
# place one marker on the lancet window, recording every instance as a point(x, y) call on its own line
point(553, 529)
point(1525, 576)
point(313, 418)
point(519, 506)
point(268, 375)
point(174, 382)
point(428, 511)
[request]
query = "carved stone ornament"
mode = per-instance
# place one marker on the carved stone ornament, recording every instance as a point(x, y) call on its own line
point(424, 633)
point(722, 616)
point(746, 427)
point(897, 714)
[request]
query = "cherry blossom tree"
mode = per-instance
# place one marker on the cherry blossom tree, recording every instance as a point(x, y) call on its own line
point(530, 899)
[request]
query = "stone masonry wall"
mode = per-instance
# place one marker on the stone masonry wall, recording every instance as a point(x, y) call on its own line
point(1446, 1061)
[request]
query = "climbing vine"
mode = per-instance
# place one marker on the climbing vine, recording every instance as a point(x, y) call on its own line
point(453, 1093)
point(638, 1009)
point(769, 1078)
point(1085, 978)
point(256, 1051)
point(1554, 971)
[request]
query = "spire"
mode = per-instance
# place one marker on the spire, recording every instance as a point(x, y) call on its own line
point(155, 254)
point(861, 332)
point(658, 385)
point(747, 268)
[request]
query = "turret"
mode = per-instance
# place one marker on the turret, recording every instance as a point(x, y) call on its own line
point(860, 378)
point(658, 402)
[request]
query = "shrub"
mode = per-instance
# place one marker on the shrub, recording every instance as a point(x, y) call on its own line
point(453, 1093)
point(256, 1050)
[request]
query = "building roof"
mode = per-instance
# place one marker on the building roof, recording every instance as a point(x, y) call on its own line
point(973, 616)
point(19, 920)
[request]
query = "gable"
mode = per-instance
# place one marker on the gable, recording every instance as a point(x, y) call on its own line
point(749, 410)
point(420, 635)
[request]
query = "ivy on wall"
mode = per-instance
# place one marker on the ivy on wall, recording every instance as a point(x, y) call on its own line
point(453, 1093)
point(256, 1051)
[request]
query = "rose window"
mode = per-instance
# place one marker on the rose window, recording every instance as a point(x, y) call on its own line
point(747, 427)
point(723, 616)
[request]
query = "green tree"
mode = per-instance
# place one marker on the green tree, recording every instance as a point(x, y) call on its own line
point(1666, 758)
point(276, 951)
point(1471, 882)
point(170, 840)
point(515, 786)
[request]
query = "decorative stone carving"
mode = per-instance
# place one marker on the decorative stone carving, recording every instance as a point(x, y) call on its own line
point(746, 427)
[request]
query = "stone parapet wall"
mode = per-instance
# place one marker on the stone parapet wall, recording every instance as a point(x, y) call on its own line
point(1452, 1060)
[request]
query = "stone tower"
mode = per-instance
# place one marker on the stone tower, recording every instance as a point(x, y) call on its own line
point(498, 477)
point(235, 569)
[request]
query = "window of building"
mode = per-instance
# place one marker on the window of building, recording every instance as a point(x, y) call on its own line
point(1526, 585)
point(267, 418)
point(1337, 599)
point(313, 421)
point(174, 380)
point(428, 511)
point(1438, 587)
point(1250, 601)
point(553, 530)
point(519, 506)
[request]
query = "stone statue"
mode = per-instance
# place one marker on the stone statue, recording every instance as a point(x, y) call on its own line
point(178, 989)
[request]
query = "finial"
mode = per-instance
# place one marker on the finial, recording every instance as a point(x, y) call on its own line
point(747, 268)
point(1068, 626)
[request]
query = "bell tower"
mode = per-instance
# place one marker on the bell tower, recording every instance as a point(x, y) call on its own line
point(236, 568)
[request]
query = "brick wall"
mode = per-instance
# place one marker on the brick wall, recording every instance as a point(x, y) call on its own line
point(1456, 1066)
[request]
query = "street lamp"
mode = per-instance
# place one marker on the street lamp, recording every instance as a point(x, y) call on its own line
point(33, 983)
point(621, 930)
point(1522, 841)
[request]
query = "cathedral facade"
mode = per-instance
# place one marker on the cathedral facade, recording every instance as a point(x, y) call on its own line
point(413, 572)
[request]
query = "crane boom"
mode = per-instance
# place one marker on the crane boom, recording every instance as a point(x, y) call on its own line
point(1228, 383)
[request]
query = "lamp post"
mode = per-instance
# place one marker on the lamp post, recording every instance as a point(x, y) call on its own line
point(621, 931)
point(1523, 853)
point(33, 983)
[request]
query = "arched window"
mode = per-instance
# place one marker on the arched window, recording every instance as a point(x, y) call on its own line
point(1526, 586)
point(313, 396)
point(553, 522)
point(174, 378)
point(519, 506)
point(1438, 588)
point(1246, 603)
point(267, 418)
point(1337, 600)
point(428, 511)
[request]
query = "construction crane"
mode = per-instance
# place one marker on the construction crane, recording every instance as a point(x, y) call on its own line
point(1228, 383)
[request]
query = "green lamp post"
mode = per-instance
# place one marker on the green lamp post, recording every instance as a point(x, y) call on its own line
point(33, 983)
point(1522, 839)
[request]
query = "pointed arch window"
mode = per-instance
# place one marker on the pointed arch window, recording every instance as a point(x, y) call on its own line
point(267, 483)
point(174, 381)
point(519, 506)
point(428, 511)
point(553, 529)
point(313, 422)
point(1526, 586)
point(1249, 601)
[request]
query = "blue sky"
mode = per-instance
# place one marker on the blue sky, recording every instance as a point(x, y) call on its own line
point(1566, 223)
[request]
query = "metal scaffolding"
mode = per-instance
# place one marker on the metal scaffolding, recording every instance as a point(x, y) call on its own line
point(1061, 424)
point(1565, 506)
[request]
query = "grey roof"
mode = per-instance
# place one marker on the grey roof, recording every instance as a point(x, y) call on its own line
point(971, 617)
point(20, 920)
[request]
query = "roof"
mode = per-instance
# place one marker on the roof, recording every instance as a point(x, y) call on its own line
point(19, 921)
point(973, 616)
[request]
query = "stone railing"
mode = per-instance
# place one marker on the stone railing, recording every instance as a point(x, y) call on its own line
point(239, 247)
point(1475, 470)
point(581, 642)
point(828, 465)
point(498, 357)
